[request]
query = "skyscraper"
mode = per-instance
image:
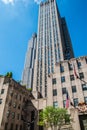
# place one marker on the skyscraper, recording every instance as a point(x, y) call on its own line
point(53, 44)
point(27, 77)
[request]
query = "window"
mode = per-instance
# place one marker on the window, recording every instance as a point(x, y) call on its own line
point(6, 126)
point(84, 87)
point(64, 103)
point(20, 97)
point(8, 113)
point(19, 106)
point(70, 67)
point(63, 90)
point(61, 68)
point(75, 102)
point(11, 128)
point(63, 79)
point(0, 100)
point(86, 60)
point(81, 75)
point(20, 127)
point(54, 81)
point(24, 99)
point(13, 115)
point(16, 127)
point(73, 89)
point(55, 92)
point(79, 65)
point(85, 99)
point(18, 116)
point(2, 91)
point(10, 102)
point(14, 105)
point(72, 77)
point(55, 104)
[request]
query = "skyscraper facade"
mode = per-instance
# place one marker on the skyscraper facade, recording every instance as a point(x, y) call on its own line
point(27, 77)
point(53, 44)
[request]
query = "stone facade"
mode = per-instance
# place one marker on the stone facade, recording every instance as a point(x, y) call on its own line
point(16, 108)
point(64, 79)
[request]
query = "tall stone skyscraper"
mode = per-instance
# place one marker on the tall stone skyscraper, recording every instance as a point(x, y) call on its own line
point(27, 77)
point(53, 44)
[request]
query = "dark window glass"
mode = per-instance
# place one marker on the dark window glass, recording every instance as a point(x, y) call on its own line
point(72, 77)
point(55, 104)
point(8, 113)
point(20, 97)
point(24, 99)
point(2, 91)
point(11, 128)
point(0, 100)
point(70, 67)
point(63, 90)
point(73, 89)
point(19, 106)
point(6, 126)
point(75, 102)
point(85, 99)
point(61, 68)
point(86, 60)
point(20, 127)
point(54, 81)
point(64, 103)
point(79, 65)
point(13, 115)
point(81, 75)
point(16, 127)
point(10, 102)
point(63, 79)
point(55, 92)
point(84, 87)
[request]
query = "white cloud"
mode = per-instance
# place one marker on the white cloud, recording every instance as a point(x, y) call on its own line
point(23, 1)
point(8, 1)
point(38, 1)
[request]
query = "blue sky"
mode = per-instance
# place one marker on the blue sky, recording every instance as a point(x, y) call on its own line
point(18, 21)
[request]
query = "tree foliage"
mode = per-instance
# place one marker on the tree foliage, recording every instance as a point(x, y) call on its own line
point(52, 116)
point(9, 74)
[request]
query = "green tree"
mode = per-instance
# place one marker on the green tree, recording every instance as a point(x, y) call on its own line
point(54, 117)
point(9, 74)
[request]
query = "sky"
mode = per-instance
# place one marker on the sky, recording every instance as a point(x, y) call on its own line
point(19, 20)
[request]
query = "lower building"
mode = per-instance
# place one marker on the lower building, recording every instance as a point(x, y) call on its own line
point(69, 76)
point(16, 109)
